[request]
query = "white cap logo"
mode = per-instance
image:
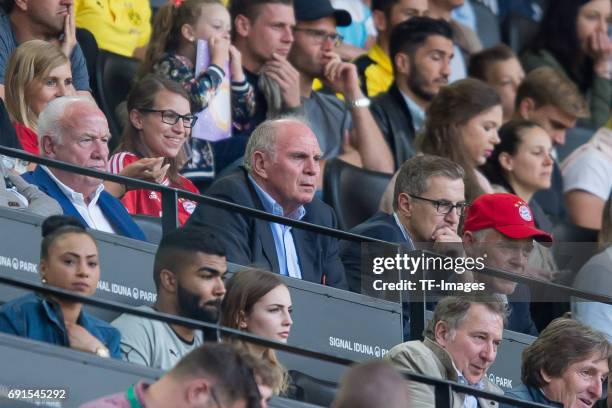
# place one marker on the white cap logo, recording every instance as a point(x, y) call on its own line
point(525, 213)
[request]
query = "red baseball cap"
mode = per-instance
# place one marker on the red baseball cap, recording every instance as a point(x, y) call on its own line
point(505, 213)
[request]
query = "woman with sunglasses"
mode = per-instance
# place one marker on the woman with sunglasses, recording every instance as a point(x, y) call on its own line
point(160, 123)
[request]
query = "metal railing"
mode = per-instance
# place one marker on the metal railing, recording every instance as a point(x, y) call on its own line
point(443, 389)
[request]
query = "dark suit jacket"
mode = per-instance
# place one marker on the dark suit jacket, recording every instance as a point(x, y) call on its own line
point(381, 226)
point(113, 210)
point(395, 122)
point(519, 319)
point(249, 240)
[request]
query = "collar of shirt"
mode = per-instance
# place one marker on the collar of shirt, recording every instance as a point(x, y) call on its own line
point(402, 228)
point(418, 114)
point(73, 195)
point(470, 400)
point(271, 206)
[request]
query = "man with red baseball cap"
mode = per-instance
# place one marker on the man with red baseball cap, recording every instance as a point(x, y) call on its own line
point(500, 228)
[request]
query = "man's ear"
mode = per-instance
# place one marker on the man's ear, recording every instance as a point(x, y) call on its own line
point(442, 333)
point(380, 20)
point(545, 376)
point(402, 64)
point(48, 146)
point(168, 281)
point(136, 119)
point(188, 32)
point(405, 205)
point(22, 4)
point(242, 25)
point(198, 392)
point(526, 108)
point(259, 164)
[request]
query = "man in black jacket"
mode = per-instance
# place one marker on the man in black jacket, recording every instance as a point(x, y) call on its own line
point(280, 173)
point(421, 50)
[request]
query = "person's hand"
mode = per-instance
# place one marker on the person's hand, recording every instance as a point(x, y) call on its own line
point(287, 77)
point(69, 41)
point(150, 169)
point(236, 64)
point(447, 241)
point(341, 77)
point(599, 48)
point(219, 50)
point(80, 339)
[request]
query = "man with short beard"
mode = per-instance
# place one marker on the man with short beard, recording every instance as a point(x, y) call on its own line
point(188, 272)
point(421, 50)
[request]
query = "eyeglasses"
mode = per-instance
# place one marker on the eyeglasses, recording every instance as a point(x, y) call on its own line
point(444, 207)
point(170, 117)
point(320, 35)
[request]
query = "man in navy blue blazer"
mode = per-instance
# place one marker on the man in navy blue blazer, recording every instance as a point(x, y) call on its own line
point(280, 176)
point(428, 201)
point(74, 130)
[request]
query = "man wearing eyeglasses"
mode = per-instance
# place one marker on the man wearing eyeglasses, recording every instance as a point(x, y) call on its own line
point(500, 229)
point(429, 199)
point(344, 129)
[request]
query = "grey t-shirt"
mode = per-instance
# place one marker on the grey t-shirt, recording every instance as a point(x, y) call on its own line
point(151, 342)
point(328, 118)
point(8, 44)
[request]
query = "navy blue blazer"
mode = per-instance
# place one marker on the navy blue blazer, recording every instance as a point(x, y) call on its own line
point(249, 241)
point(111, 207)
point(381, 226)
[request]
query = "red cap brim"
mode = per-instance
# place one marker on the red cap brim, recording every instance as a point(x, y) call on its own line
point(523, 231)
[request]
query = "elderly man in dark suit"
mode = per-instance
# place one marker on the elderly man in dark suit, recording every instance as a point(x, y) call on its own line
point(280, 173)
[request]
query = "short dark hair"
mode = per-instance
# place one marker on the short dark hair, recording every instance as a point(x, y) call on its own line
point(562, 343)
point(176, 247)
point(226, 366)
point(55, 226)
point(8, 5)
point(410, 35)
point(250, 8)
point(481, 61)
point(511, 136)
point(413, 176)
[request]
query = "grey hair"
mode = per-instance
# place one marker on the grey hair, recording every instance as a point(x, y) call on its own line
point(50, 120)
point(414, 174)
point(263, 138)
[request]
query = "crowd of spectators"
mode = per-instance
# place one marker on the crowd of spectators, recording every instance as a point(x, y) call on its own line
point(501, 154)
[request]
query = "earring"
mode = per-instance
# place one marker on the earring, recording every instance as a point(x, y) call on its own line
point(43, 279)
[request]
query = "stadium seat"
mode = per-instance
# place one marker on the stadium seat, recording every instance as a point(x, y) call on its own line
point(151, 226)
point(313, 390)
point(354, 193)
point(487, 26)
point(114, 77)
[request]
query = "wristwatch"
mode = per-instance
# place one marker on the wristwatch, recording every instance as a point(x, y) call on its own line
point(362, 102)
point(102, 352)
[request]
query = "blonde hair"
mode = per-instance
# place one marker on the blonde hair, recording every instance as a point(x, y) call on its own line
point(31, 61)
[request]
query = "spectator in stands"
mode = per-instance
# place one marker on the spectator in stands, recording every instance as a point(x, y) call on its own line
point(500, 229)
point(566, 365)
point(15, 192)
point(428, 203)
point(122, 28)
point(596, 277)
point(460, 344)
point(573, 39)
point(258, 302)
point(37, 73)
point(8, 136)
point(360, 35)
point(375, 69)
point(188, 272)
point(465, 39)
point(586, 180)
point(172, 54)
point(51, 21)
point(279, 176)
point(521, 164)
point(263, 33)
point(213, 375)
point(74, 130)
point(68, 260)
point(461, 125)
point(160, 123)
point(421, 50)
point(344, 129)
point(372, 384)
point(499, 67)
point(554, 103)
